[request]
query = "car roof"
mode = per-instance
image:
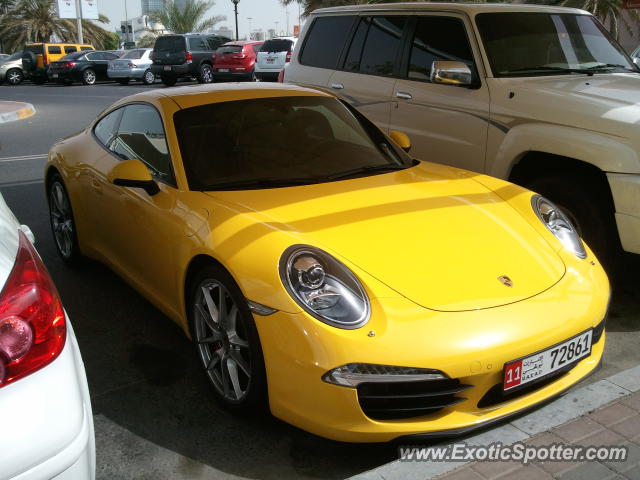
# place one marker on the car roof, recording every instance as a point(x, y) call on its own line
point(470, 8)
point(191, 96)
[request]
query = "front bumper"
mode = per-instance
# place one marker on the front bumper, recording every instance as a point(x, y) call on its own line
point(625, 189)
point(50, 419)
point(470, 347)
point(126, 73)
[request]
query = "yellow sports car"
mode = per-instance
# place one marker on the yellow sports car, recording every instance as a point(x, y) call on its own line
point(319, 269)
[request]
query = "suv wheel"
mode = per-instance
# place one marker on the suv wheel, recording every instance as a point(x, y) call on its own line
point(14, 76)
point(205, 73)
point(169, 81)
point(89, 77)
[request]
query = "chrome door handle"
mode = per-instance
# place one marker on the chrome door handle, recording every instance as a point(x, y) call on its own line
point(404, 95)
point(337, 85)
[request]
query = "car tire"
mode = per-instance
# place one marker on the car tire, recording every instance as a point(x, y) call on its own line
point(205, 73)
point(63, 226)
point(88, 77)
point(169, 81)
point(148, 77)
point(228, 346)
point(14, 76)
point(123, 81)
point(590, 207)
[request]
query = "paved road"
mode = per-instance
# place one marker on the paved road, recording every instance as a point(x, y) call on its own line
point(154, 412)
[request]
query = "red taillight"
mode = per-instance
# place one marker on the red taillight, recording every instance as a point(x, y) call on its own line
point(189, 57)
point(69, 64)
point(131, 65)
point(288, 59)
point(32, 322)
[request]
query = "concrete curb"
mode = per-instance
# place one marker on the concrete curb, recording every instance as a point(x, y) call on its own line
point(574, 404)
point(15, 111)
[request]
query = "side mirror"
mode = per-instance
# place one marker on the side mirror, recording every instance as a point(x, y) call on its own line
point(451, 73)
point(134, 174)
point(401, 139)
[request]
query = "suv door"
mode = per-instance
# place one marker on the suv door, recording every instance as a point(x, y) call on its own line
point(371, 65)
point(445, 123)
point(199, 48)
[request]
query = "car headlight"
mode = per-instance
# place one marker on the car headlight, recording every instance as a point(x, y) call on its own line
point(324, 287)
point(558, 224)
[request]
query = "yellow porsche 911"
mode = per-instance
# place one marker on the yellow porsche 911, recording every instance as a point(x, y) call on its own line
point(320, 270)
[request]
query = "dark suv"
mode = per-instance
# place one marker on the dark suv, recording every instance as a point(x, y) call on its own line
point(185, 55)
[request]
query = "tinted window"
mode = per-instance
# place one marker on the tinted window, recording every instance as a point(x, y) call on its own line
point(229, 49)
point(109, 56)
point(54, 50)
point(73, 56)
point(352, 62)
point(37, 49)
point(94, 56)
point(134, 54)
point(70, 49)
point(435, 39)
point(172, 44)
point(216, 41)
point(141, 136)
point(278, 141)
point(197, 43)
point(84, 49)
point(105, 128)
point(382, 45)
point(325, 41)
point(277, 45)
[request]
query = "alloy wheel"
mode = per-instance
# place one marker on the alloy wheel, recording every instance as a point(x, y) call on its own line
point(149, 77)
point(14, 77)
point(207, 74)
point(61, 219)
point(89, 77)
point(222, 343)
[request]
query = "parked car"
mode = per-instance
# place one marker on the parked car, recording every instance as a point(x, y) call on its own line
point(4, 56)
point(11, 69)
point(85, 67)
point(185, 55)
point(44, 398)
point(313, 262)
point(133, 65)
point(37, 57)
point(236, 61)
point(557, 116)
point(273, 56)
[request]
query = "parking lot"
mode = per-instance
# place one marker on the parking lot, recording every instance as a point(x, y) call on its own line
point(155, 415)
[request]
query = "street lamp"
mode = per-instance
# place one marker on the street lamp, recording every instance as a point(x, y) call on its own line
point(235, 9)
point(249, 36)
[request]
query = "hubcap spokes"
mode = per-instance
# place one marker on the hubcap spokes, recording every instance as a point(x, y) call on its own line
point(61, 220)
point(223, 349)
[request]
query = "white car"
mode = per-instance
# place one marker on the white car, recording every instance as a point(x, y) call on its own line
point(45, 411)
point(273, 57)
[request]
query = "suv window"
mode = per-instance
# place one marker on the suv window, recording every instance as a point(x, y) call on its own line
point(105, 128)
point(54, 50)
point(197, 44)
point(435, 39)
point(84, 49)
point(382, 45)
point(277, 45)
point(215, 41)
point(70, 49)
point(37, 49)
point(171, 44)
point(352, 62)
point(325, 41)
point(141, 136)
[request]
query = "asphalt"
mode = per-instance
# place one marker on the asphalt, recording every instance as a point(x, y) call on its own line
point(155, 414)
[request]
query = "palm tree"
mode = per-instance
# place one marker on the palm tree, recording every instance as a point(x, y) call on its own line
point(37, 21)
point(187, 19)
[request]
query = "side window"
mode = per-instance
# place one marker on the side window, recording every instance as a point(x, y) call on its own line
point(93, 56)
point(435, 39)
point(197, 44)
point(352, 62)
point(54, 50)
point(70, 49)
point(84, 48)
point(109, 56)
point(325, 41)
point(382, 45)
point(106, 127)
point(141, 136)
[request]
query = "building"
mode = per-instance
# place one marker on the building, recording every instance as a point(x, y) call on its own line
point(138, 28)
point(151, 5)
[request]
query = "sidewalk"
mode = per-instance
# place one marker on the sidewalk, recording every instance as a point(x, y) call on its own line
point(12, 111)
point(604, 413)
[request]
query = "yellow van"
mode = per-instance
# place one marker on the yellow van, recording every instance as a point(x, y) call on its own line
point(36, 57)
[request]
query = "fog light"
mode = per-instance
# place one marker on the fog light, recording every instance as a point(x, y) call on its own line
point(354, 374)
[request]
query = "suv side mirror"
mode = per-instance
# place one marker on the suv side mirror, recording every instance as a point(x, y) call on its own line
point(451, 73)
point(134, 174)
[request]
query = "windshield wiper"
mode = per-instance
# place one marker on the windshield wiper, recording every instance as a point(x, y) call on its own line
point(585, 71)
point(611, 65)
point(261, 183)
point(367, 169)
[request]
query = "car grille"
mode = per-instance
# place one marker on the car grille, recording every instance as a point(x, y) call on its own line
point(397, 400)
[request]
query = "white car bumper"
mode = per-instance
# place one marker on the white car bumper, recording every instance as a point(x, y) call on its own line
point(625, 189)
point(47, 422)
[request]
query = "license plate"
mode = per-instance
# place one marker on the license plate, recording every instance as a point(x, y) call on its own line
point(539, 365)
point(223, 69)
point(55, 75)
point(271, 60)
point(167, 68)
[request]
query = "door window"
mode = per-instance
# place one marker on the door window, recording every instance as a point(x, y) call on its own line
point(68, 50)
point(106, 127)
point(54, 50)
point(141, 136)
point(325, 41)
point(436, 39)
point(197, 44)
point(382, 45)
point(93, 56)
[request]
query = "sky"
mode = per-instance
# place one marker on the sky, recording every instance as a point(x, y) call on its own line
point(263, 14)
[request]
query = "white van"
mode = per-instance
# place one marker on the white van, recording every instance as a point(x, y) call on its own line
point(273, 57)
point(541, 96)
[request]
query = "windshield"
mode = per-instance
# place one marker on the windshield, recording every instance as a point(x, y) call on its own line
point(277, 142)
point(525, 44)
point(277, 45)
point(134, 54)
point(172, 44)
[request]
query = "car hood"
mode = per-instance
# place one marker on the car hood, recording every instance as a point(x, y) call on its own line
point(606, 103)
point(431, 233)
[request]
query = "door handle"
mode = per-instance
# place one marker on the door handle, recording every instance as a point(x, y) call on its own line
point(337, 85)
point(404, 95)
point(95, 184)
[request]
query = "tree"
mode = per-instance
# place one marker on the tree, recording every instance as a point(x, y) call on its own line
point(191, 18)
point(37, 21)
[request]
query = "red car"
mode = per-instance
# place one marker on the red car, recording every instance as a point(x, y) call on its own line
point(235, 61)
